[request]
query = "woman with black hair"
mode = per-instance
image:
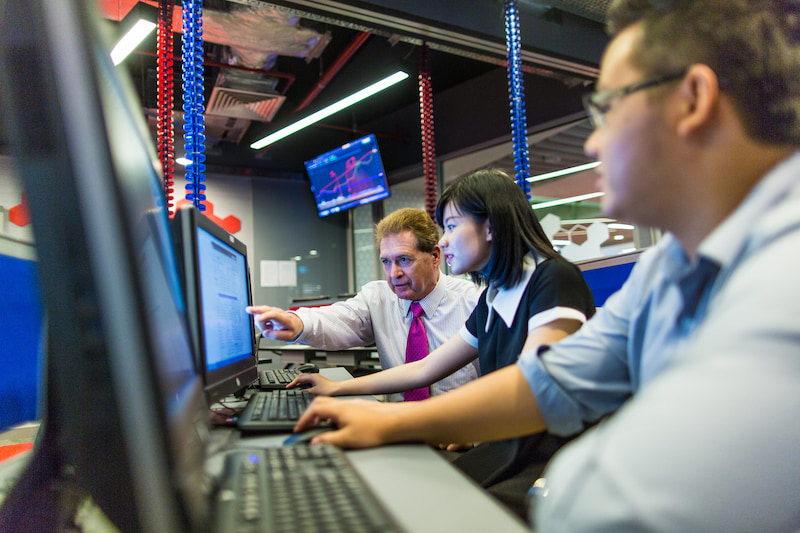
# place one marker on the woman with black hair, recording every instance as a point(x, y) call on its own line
point(533, 297)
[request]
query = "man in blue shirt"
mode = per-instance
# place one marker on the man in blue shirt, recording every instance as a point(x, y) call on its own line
point(697, 125)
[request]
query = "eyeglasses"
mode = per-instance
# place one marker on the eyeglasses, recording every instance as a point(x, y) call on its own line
point(599, 103)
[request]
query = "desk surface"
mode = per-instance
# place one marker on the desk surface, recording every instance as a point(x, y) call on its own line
point(356, 356)
point(419, 487)
point(306, 347)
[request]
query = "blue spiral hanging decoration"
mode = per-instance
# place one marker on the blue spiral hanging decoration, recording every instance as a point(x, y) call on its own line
point(194, 136)
point(516, 96)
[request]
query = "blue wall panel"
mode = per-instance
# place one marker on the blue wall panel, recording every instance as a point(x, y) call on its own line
point(607, 280)
point(20, 337)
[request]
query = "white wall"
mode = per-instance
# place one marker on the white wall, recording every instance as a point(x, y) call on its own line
point(10, 196)
point(230, 196)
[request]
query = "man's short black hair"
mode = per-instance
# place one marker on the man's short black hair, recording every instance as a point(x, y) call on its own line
point(751, 45)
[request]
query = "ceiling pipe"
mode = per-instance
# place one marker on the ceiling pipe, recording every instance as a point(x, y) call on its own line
point(334, 69)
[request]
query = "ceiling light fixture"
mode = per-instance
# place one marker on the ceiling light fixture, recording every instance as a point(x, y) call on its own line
point(617, 225)
point(564, 172)
point(587, 220)
point(330, 110)
point(570, 200)
point(135, 26)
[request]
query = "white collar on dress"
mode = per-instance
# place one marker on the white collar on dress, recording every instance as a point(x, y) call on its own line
point(506, 302)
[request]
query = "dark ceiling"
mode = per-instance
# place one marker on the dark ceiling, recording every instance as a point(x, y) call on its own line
point(561, 42)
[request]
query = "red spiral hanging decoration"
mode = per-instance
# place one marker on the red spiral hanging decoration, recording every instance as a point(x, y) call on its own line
point(426, 120)
point(166, 134)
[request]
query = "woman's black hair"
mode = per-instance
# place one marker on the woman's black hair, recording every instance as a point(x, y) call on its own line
point(492, 195)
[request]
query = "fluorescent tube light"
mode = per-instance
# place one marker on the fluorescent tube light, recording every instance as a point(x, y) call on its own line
point(570, 200)
point(135, 27)
point(131, 40)
point(564, 172)
point(330, 110)
point(587, 220)
point(617, 225)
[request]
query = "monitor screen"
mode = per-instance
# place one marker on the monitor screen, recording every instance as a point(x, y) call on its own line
point(216, 285)
point(348, 176)
point(224, 291)
point(125, 422)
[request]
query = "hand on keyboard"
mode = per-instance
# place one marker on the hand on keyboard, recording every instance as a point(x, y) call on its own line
point(316, 384)
point(360, 423)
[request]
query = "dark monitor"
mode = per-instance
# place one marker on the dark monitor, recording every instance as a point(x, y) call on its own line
point(125, 419)
point(348, 176)
point(216, 283)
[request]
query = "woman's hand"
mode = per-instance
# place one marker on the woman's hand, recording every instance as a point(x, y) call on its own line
point(319, 385)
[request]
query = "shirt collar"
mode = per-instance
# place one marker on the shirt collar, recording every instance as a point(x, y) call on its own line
point(506, 302)
point(430, 302)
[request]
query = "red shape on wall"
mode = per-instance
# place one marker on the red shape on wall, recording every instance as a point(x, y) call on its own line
point(230, 223)
point(19, 214)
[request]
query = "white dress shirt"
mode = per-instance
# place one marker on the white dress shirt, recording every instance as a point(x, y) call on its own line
point(376, 315)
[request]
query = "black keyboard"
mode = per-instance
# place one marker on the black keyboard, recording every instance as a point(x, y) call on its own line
point(276, 410)
point(301, 488)
point(276, 379)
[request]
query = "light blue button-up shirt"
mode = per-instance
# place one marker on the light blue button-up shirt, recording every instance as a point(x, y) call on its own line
point(711, 441)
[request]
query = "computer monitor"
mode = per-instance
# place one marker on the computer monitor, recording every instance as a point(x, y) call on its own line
point(348, 176)
point(125, 420)
point(216, 282)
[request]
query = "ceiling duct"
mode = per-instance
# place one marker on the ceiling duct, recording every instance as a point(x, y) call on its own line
point(243, 95)
point(256, 35)
point(243, 104)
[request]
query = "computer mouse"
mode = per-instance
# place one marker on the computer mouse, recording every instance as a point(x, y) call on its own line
point(306, 436)
point(308, 368)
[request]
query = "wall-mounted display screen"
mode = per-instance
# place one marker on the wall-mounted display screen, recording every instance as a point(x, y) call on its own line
point(348, 176)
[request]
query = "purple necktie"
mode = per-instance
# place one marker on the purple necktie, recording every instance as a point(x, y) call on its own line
point(416, 348)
